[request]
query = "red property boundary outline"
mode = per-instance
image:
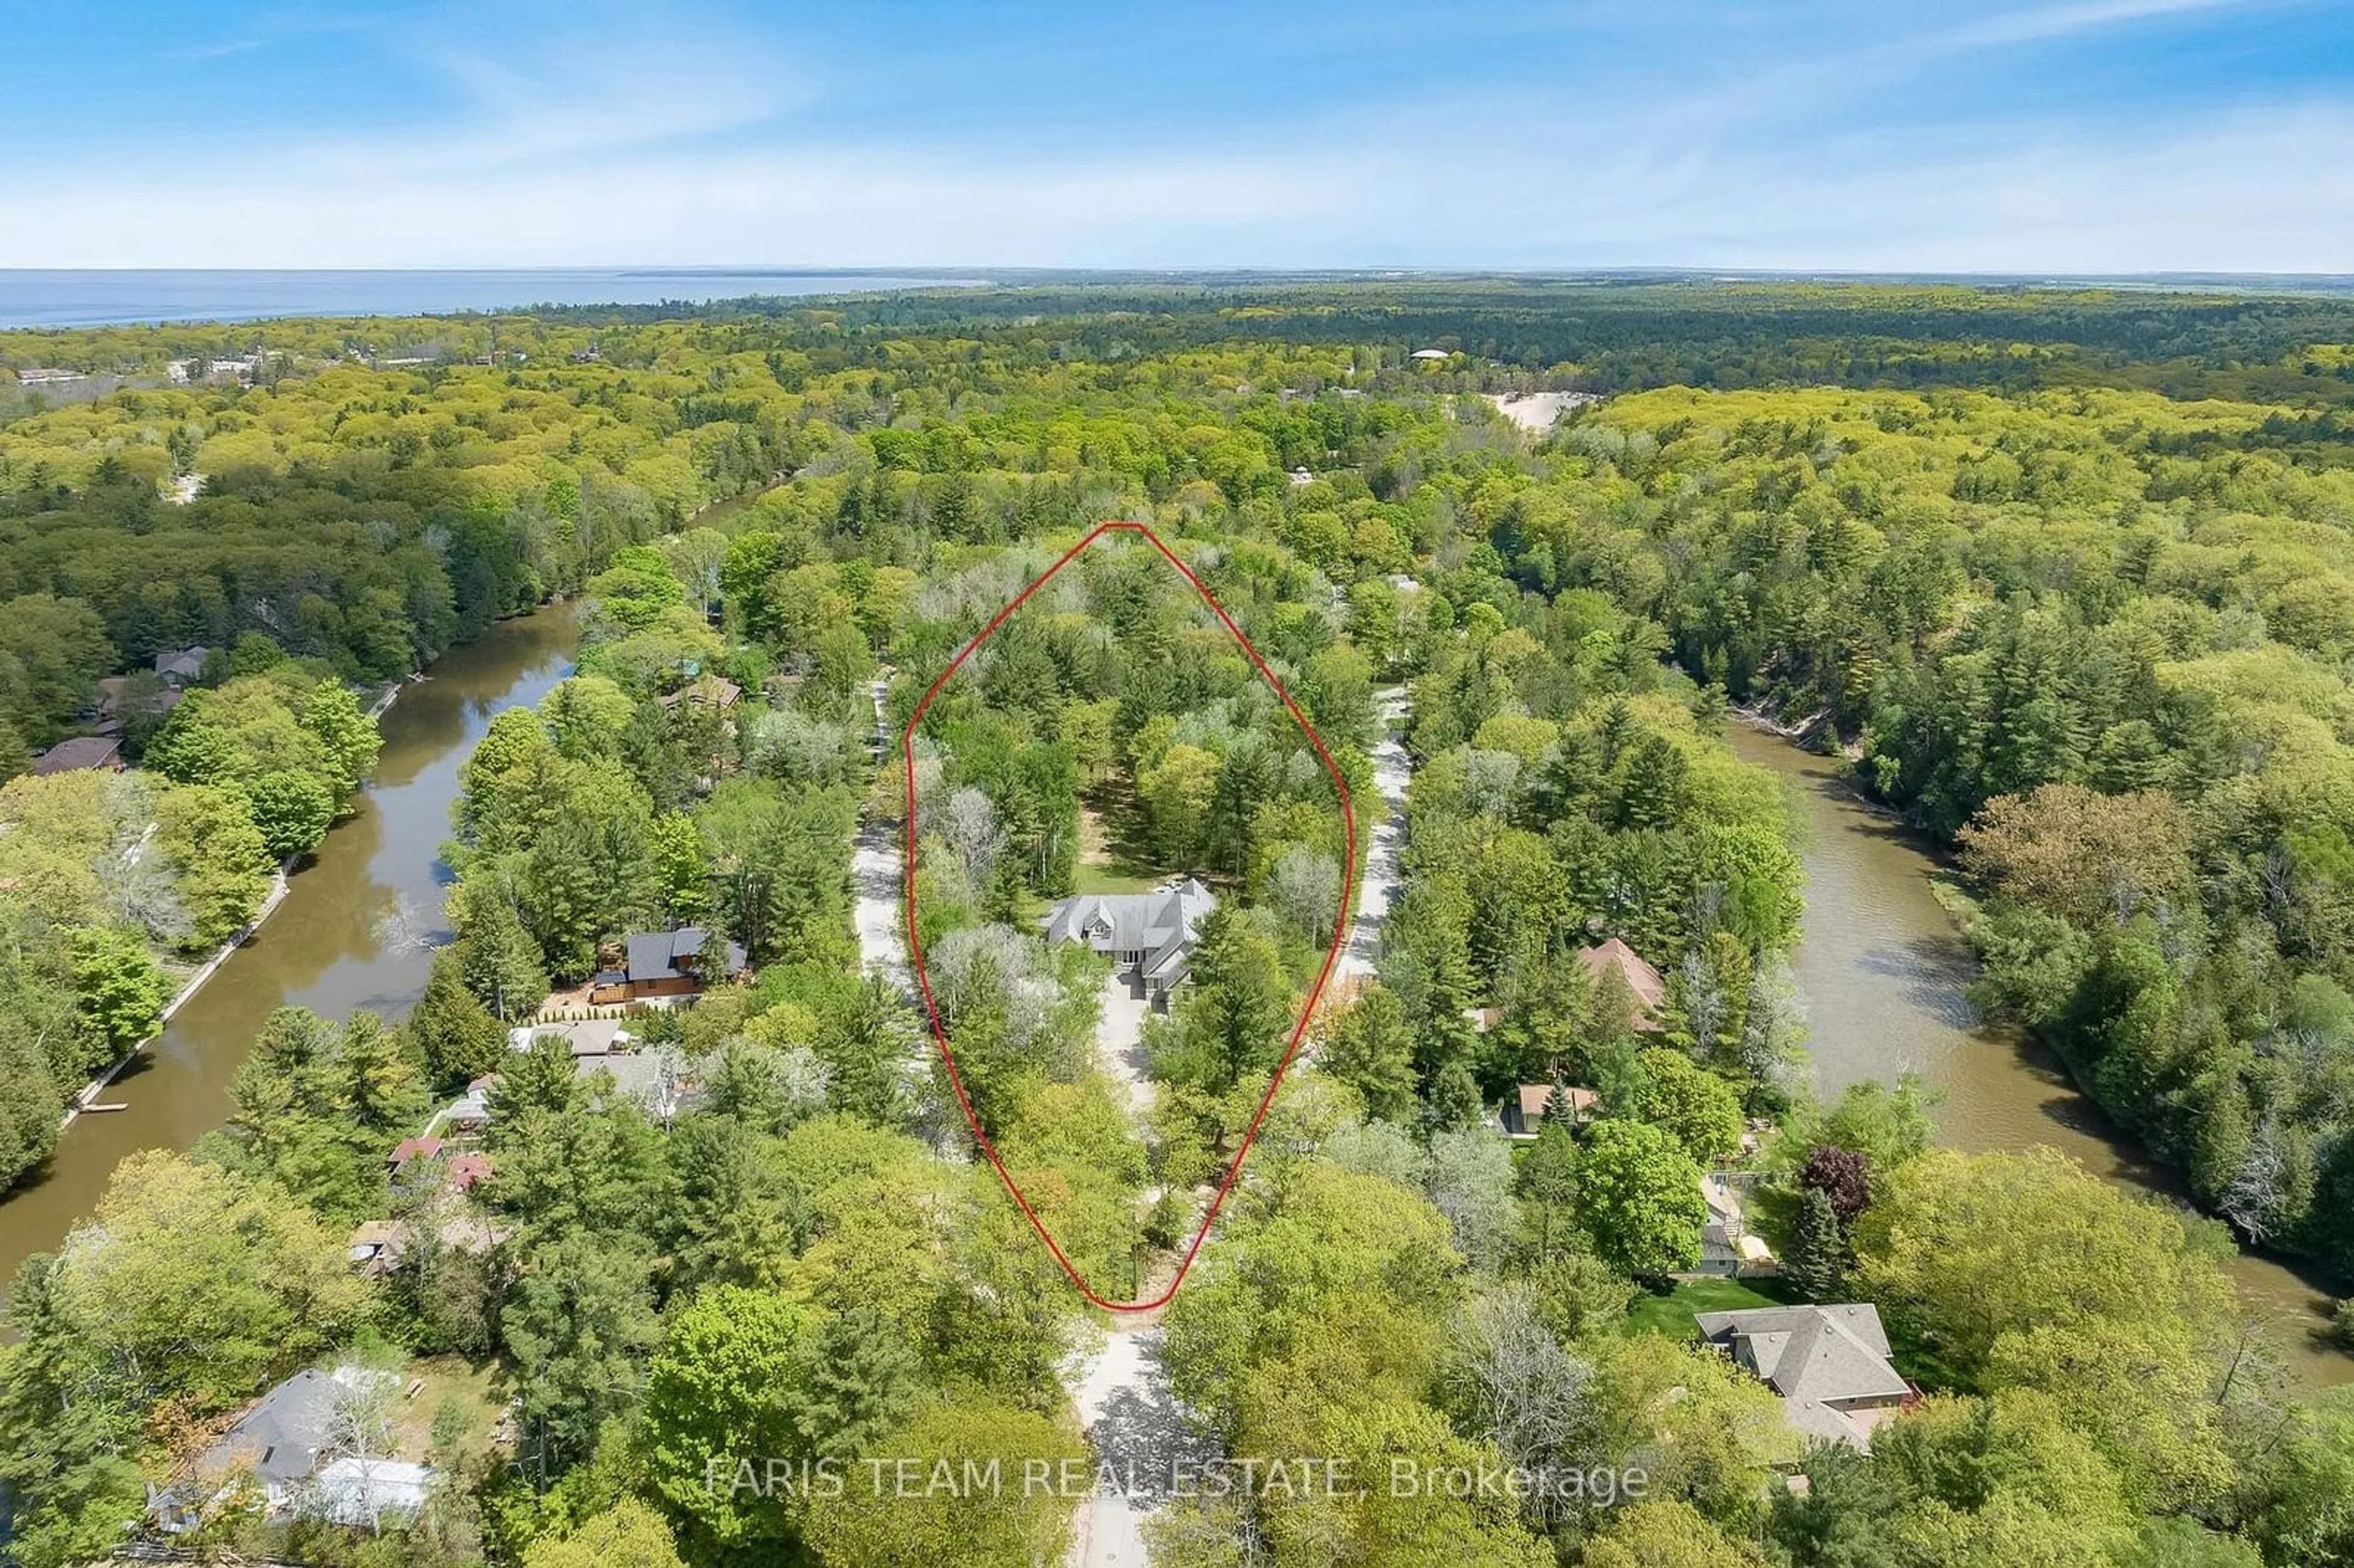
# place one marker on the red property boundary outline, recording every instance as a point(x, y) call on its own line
point(1342, 926)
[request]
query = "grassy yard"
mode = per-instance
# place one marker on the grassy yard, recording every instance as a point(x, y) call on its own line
point(1112, 856)
point(479, 1391)
point(1672, 1314)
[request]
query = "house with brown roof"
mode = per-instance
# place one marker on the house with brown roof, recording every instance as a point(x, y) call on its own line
point(715, 692)
point(1642, 981)
point(1830, 1364)
point(1521, 1117)
point(412, 1152)
point(82, 751)
point(468, 1170)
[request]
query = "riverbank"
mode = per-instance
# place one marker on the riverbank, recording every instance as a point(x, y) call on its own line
point(1885, 971)
point(351, 930)
point(87, 1101)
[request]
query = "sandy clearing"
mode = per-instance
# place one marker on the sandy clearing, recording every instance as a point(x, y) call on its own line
point(1536, 411)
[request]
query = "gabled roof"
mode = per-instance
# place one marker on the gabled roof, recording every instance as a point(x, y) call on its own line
point(1614, 957)
point(655, 955)
point(1825, 1361)
point(1523, 1115)
point(1536, 1096)
point(586, 1036)
point(1158, 925)
point(709, 690)
point(281, 1434)
point(81, 751)
point(352, 1491)
point(466, 1170)
point(410, 1149)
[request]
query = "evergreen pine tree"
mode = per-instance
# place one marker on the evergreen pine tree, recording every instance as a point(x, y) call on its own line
point(500, 960)
point(455, 1035)
point(1453, 1097)
point(1816, 1266)
point(1558, 1111)
point(862, 1383)
point(1546, 1184)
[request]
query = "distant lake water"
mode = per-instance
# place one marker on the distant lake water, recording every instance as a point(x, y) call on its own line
point(45, 298)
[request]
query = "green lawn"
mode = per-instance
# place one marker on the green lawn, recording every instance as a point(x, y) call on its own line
point(1672, 1314)
point(1109, 879)
point(1113, 857)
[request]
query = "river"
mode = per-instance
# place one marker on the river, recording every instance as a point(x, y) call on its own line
point(1884, 966)
point(355, 929)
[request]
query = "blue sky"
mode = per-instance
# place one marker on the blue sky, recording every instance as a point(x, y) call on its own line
point(2067, 135)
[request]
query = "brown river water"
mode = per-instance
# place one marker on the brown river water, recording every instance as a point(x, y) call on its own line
point(1884, 968)
point(353, 932)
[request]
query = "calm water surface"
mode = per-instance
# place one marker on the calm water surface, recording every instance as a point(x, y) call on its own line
point(59, 298)
point(1884, 968)
point(352, 932)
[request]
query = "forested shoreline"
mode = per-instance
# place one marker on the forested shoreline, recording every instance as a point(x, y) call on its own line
point(2091, 633)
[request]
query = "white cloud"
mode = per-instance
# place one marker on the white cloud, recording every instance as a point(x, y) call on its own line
point(2266, 192)
point(2058, 21)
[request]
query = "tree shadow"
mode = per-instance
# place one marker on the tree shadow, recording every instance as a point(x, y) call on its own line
point(1147, 1436)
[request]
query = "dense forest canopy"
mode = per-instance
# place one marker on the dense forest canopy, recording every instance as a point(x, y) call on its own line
point(2063, 572)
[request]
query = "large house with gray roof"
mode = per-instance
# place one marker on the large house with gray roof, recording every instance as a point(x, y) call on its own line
point(292, 1443)
point(1829, 1364)
point(1148, 936)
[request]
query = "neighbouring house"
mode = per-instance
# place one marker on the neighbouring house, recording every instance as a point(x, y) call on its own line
point(661, 964)
point(1148, 936)
point(375, 1246)
point(378, 1247)
point(1642, 981)
point(354, 1491)
point(652, 1079)
point(411, 1153)
point(114, 691)
point(82, 751)
point(1300, 478)
point(584, 1036)
point(50, 376)
point(1727, 1246)
point(289, 1441)
point(1829, 1364)
point(469, 1113)
point(1429, 354)
point(181, 667)
point(714, 692)
point(1521, 1117)
point(468, 1170)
